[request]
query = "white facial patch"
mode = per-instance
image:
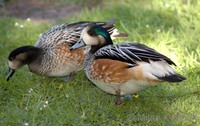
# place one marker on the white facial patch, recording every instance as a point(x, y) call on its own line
point(13, 64)
point(91, 40)
point(17, 62)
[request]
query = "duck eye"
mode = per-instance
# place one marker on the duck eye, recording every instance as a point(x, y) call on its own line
point(91, 33)
point(11, 58)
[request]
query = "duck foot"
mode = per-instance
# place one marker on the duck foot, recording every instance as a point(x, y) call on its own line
point(128, 96)
point(118, 102)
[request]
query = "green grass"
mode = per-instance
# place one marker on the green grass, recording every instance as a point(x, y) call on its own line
point(171, 27)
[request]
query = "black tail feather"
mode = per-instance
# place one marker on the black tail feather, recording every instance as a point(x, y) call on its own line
point(172, 78)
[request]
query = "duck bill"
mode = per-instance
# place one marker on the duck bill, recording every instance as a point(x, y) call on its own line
point(80, 43)
point(10, 74)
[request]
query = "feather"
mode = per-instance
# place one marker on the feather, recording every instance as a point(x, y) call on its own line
point(131, 53)
point(69, 33)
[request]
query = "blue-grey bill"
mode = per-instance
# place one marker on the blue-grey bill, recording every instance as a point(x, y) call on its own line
point(80, 43)
point(10, 74)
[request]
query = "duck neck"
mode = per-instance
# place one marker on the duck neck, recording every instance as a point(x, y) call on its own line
point(93, 49)
point(30, 53)
point(108, 41)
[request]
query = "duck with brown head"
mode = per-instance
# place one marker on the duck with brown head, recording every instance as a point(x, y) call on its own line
point(51, 55)
point(20, 57)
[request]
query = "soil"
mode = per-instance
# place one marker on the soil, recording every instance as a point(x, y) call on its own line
point(39, 9)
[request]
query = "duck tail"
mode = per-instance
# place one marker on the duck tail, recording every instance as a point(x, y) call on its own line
point(117, 34)
point(111, 22)
point(173, 78)
point(114, 33)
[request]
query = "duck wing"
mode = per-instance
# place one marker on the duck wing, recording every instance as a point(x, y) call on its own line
point(68, 33)
point(131, 52)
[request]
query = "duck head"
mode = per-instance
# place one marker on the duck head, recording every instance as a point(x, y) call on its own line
point(94, 36)
point(19, 57)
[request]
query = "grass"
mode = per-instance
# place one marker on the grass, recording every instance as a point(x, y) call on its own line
point(171, 27)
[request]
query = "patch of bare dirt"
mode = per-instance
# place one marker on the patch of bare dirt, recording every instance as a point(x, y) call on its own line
point(39, 9)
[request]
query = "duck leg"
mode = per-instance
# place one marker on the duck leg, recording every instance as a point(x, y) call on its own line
point(129, 96)
point(69, 77)
point(118, 100)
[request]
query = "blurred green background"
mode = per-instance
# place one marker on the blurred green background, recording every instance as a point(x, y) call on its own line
point(169, 26)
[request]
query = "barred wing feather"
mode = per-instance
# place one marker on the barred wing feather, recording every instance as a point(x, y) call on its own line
point(68, 33)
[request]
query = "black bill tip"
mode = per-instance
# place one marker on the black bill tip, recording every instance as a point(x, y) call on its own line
point(10, 74)
point(71, 48)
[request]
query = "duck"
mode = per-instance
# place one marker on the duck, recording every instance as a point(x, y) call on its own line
point(125, 68)
point(50, 56)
